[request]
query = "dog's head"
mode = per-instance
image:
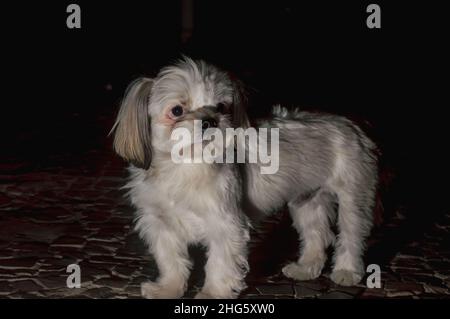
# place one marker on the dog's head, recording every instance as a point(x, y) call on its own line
point(187, 91)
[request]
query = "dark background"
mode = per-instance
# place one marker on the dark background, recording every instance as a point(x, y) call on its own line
point(61, 88)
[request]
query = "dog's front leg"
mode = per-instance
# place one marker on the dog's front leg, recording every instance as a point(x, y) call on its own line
point(171, 255)
point(227, 263)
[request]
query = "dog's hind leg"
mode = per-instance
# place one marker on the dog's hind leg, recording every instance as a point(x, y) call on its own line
point(311, 218)
point(354, 181)
point(354, 223)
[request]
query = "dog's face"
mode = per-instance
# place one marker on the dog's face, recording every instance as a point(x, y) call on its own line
point(179, 95)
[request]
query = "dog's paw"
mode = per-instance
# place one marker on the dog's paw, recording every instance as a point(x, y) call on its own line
point(153, 290)
point(345, 277)
point(306, 271)
point(149, 290)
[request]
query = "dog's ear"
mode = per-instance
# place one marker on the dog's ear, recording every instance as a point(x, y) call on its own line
point(132, 139)
point(240, 118)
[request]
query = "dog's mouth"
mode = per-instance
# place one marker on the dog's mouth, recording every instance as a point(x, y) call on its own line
point(209, 123)
point(201, 136)
point(202, 131)
point(199, 131)
point(201, 122)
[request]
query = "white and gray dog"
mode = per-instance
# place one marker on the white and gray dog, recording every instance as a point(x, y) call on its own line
point(327, 173)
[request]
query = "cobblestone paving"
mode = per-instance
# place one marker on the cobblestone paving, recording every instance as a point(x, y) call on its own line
point(71, 211)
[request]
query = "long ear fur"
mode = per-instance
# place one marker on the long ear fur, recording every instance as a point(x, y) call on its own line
point(132, 139)
point(240, 118)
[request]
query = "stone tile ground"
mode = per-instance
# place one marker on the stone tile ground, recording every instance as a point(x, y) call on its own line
point(61, 209)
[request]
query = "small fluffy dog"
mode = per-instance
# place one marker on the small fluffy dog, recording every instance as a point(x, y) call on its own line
point(327, 173)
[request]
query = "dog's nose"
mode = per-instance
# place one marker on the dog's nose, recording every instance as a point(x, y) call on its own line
point(208, 123)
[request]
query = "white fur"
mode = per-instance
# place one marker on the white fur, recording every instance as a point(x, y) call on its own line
point(325, 161)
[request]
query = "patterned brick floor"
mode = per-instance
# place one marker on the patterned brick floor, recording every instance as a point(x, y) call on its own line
point(63, 209)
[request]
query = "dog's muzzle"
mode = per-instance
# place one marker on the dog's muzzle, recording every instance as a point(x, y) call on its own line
point(208, 123)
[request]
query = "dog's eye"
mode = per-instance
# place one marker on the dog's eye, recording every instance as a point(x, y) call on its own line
point(220, 107)
point(177, 111)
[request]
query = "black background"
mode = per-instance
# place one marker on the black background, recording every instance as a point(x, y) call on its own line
point(313, 54)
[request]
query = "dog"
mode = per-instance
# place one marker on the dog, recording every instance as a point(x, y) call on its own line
point(327, 175)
